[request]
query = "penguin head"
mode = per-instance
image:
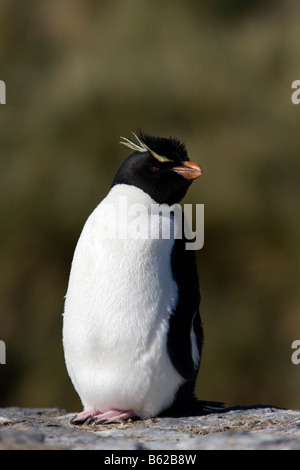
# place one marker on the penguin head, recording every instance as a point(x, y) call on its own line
point(159, 166)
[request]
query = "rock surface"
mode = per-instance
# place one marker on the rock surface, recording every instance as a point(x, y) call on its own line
point(256, 427)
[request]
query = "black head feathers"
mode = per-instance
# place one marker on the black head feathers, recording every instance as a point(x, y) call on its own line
point(162, 148)
point(159, 166)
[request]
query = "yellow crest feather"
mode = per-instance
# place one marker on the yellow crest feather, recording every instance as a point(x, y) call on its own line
point(142, 147)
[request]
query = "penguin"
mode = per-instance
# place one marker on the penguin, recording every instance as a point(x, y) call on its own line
point(132, 333)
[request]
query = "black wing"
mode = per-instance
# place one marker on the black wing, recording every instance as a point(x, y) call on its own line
point(186, 314)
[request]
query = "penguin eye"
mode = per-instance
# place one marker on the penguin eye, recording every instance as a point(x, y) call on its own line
point(154, 168)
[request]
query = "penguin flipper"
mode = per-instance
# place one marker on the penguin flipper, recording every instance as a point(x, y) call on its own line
point(185, 319)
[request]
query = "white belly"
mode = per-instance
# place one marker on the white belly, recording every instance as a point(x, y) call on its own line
point(120, 295)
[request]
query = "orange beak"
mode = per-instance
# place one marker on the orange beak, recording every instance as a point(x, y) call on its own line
point(189, 170)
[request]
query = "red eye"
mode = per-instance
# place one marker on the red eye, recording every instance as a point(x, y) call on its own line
point(155, 168)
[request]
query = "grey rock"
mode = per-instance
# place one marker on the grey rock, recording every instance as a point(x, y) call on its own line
point(241, 428)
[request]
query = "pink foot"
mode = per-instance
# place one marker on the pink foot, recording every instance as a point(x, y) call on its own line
point(112, 415)
point(96, 417)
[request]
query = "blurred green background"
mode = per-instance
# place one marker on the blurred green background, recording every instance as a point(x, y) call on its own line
point(217, 75)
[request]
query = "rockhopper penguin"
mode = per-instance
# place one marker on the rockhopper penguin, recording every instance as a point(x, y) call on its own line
point(132, 333)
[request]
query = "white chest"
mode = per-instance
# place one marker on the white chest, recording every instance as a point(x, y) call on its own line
point(120, 296)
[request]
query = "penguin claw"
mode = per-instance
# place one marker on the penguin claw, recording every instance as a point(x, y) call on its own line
point(100, 421)
point(83, 417)
point(90, 420)
point(77, 421)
